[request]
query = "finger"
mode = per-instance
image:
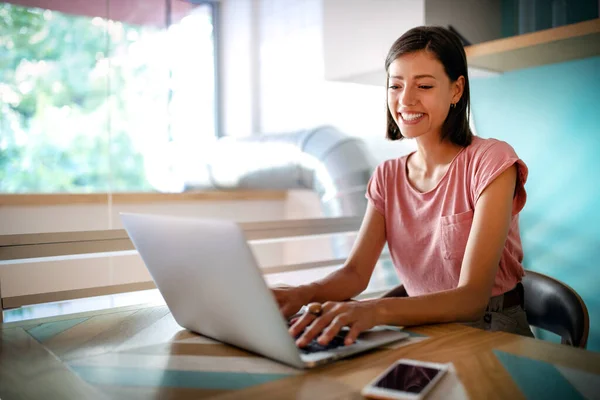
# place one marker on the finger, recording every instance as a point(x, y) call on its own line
point(333, 329)
point(315, 328)
point(301, 324)
point(355, 330)
point(331, 305)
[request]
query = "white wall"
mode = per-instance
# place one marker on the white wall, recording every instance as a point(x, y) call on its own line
point(46, 276)
point(358, 35)
point(294, 94)
point(238, 68)
point(85, 217)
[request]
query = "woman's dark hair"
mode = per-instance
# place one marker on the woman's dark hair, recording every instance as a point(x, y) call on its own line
point(448, 49)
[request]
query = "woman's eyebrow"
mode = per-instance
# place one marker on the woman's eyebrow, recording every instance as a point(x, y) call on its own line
point(415, 77)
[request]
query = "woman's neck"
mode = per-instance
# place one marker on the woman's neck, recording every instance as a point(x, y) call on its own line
point(432, 154)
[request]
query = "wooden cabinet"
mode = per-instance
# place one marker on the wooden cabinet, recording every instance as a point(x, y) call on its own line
point(565, 43)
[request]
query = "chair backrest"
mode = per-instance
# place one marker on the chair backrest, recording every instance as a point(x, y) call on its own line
point(556, 307)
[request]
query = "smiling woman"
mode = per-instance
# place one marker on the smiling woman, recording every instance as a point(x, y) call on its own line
point(447, 211)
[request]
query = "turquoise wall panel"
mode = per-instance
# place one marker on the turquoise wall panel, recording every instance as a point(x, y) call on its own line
point(551, 116)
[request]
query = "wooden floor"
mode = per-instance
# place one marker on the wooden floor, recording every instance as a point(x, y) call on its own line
point(140, 352)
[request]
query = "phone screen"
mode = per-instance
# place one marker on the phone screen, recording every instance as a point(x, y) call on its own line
point(407, 378)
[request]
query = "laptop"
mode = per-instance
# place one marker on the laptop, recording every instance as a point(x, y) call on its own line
point(210, 280)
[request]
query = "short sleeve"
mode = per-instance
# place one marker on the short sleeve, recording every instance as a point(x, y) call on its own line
point(376, 189)
point(496, 159)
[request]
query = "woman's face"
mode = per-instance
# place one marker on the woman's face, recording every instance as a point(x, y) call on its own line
point(420, 94)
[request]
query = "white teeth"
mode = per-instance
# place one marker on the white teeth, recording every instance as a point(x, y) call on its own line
point(411, 117)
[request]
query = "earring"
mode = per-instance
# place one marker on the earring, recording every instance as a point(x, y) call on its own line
point(452, 105)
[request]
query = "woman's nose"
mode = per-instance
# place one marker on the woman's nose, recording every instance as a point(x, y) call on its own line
point(408, 98)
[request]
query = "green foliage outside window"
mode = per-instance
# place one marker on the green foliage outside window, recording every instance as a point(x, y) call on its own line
point(65, 107)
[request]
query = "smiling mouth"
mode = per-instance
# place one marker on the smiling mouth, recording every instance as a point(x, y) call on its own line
point(411, 118)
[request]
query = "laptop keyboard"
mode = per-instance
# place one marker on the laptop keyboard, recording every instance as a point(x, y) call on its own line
point(315, 347)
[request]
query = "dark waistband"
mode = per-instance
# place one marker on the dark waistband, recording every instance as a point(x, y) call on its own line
point(514, 297)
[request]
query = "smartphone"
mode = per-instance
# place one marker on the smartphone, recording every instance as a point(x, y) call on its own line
point(406, 379)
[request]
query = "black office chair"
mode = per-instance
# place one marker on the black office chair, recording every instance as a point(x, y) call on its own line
point(556, 307)
point(550, 305)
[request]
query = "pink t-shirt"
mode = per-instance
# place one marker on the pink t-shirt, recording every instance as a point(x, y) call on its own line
point(427, 232)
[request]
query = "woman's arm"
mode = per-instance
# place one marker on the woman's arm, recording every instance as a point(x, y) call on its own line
point(354, 276)
point(467, 302)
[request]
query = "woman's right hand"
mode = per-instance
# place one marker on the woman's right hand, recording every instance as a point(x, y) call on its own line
point(291, 299)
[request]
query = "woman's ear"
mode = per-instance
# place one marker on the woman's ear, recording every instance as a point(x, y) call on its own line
point(458, 86)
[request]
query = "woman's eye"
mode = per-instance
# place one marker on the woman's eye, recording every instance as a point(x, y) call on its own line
point(425, 87)
point(394, 87)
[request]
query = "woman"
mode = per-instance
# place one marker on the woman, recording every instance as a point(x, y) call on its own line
point(448, 211)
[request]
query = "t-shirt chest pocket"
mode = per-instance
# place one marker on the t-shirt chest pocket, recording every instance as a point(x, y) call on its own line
point(455, 233)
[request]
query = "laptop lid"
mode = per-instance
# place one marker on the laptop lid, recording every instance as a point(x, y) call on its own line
point(209, 279)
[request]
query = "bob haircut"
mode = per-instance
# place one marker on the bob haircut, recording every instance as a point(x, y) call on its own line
point(448, 49)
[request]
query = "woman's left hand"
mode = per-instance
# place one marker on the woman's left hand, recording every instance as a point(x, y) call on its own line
point(357, 315)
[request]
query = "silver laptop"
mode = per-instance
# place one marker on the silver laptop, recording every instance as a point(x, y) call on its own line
point(210, 280)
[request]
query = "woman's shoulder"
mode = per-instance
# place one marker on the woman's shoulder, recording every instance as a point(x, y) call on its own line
point(488, 147)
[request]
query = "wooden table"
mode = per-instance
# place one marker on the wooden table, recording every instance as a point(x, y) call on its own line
point(140, 352)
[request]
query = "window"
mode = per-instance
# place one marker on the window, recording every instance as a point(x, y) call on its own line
point(102, 96)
